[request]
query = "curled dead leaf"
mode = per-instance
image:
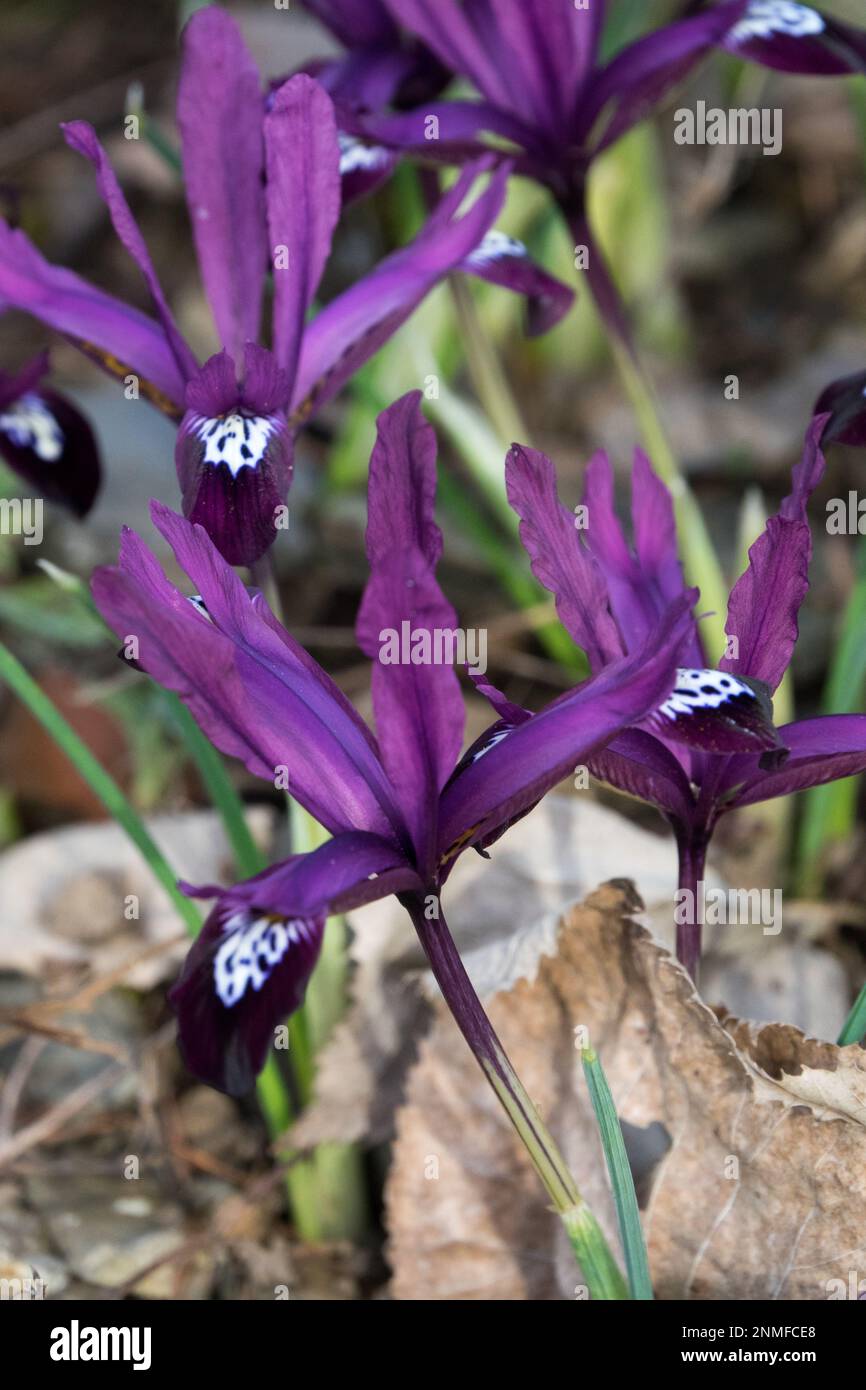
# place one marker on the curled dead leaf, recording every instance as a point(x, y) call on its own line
point(759, 1189)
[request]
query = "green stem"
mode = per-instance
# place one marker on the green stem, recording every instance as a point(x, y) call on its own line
point(100, 782)
point(218, 785)
point(489, 380)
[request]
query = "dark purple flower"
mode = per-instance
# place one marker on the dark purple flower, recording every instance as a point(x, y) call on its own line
point(711, 747)
point(546, 90)
point(46, 440)
point(263, 189)
point(400, 807)
point(844, 402)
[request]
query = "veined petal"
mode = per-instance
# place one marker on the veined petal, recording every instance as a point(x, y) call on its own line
point(502, 260)
point(639, 77)
point(249, 968)
point(463, 39)
point(356, 324)
point(220, 112)
point(250, 692)
point(558, 559)
point(405, 622)
point(119, 338)
point(530, 760)
point(797, 38)
point(303, 198)
point(640, 765)
point(535, 42)
point(82, 137)
point(821, 750)
point(766, 599)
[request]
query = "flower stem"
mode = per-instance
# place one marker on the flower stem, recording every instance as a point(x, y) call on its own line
point(692, 853)
point(488, 379)
point(700, 562)
point(603, 1276)
point(218, 785)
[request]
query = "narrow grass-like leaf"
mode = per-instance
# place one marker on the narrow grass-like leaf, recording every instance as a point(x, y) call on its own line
point(622, 1182)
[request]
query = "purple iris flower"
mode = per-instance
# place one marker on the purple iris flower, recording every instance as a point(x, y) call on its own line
point(692, 758)
point(383, 67)
point(400, 806)
point(263, 188)
point(545, 88)
point(46, 440)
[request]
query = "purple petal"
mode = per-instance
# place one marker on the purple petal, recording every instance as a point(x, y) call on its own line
point(465, 41)
point(220, 111)
point(558, 559)
point(303, 196)
point(356, 324)
point(501, 260)
point(643, 583)
point(637, 80)
point(640, 765)
point(534, 44)
point(717, 712)
point(363, 168)
point(821, 750)
point(458, 126)
point(249, 968)
point(766, 599)
point(845, 402)
point(251, 690)
point(417, 701)
point(797, 38)
point(118, 337)
point(533, 757)
point(235, 454)
point(47, 441)
point(82, 137)
point(356, 24)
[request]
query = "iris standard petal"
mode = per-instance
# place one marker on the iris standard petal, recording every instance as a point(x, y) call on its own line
point(765, 601)
point(219, 112)
point(406, 625)
point(558, 559)
point(303, 199)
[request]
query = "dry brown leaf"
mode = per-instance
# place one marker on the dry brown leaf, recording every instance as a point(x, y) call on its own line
point(759, 1195)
